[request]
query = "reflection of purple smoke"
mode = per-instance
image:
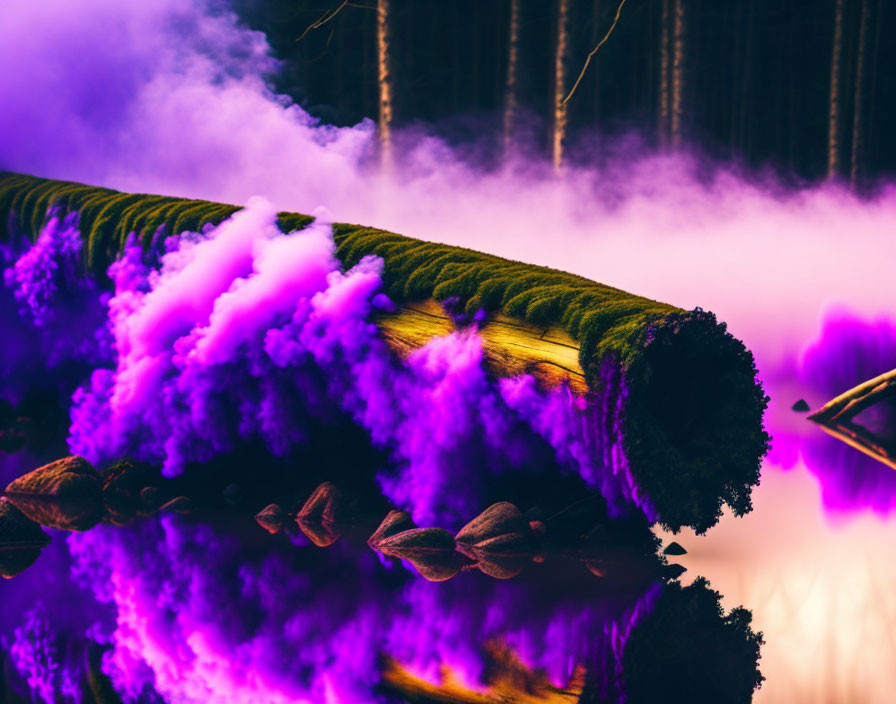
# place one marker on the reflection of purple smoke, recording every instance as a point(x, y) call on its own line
point(34, 654)
point(848, 351)
point(245, 334)
point(202, 619)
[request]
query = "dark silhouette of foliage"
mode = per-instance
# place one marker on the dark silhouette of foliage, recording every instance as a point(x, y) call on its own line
point(689, 650)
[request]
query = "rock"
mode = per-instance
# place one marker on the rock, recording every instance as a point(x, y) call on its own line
point(801, 406)
point(501, 530)
point(324, 504)
point(123, 484)
point(234, 494)
point(538, 527)
point(418, 539)
point(500, 539)
point(395, 522)
point(179, 504)
point(21, 540)
point(271, 518)
point(65, 494)
point(674, 548)
point(500, 566)
point(501, 519)
point(674, 571)
point(319, 515)
point(321, 533)
point(430, 550)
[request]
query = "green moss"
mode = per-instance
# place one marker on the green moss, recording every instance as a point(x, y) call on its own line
point(692, 425)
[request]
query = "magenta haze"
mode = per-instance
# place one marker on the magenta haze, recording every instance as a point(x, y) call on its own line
point(199, 618)
point(244, 333)
point(849, 351)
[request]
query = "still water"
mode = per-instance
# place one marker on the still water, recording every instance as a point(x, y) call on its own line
point(188, 610)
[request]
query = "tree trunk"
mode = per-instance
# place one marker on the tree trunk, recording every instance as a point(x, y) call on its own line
point(595, 38)
point(745, 87)
point(511, 84)
point(834, 103)
point(677, 74)
point(384, 60)
point(560, 63)
point(663, 126)
point(858, 112)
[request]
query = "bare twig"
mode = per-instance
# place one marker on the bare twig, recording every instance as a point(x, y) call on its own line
point(594, 51)
point(326, 17)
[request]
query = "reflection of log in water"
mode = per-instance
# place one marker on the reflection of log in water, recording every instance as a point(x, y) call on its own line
point(679, 407)
point(678, 645)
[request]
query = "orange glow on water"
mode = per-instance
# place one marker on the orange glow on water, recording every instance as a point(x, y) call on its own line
point(819, 590)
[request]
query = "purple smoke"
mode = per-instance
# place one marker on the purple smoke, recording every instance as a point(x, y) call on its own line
point(848, 351)
point(245, 333)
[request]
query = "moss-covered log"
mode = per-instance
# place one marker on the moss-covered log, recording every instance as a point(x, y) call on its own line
point(681, 393)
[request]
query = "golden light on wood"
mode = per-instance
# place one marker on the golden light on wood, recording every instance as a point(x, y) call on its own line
point(510, 682)
point(838, 417)
point(511, 347)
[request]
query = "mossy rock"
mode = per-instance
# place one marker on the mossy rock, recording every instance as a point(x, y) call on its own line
point(65, 494)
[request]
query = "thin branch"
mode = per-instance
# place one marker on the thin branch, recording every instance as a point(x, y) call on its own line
point(324, 52)
point(326, 17)
point(594, 51)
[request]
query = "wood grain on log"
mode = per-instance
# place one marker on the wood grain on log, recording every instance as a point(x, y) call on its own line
point(511, 347)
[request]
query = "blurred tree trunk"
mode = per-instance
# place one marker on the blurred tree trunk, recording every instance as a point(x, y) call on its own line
point(367, 77)
point(512, 82)
point(384, 73)
point(872, 134)
point(664, 76)
point(561, 60)
point(834, 100)
point(743, 111)
point(858, 112)
point(595, 38)
point(677, 74)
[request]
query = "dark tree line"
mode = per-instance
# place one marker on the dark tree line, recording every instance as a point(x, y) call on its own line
point(802, 86)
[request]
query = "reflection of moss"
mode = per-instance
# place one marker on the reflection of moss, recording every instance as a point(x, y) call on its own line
point(692, 423)
point(689, 650)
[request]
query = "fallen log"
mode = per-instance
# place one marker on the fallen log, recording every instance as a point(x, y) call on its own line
point(680, 407)
point(839, 417)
